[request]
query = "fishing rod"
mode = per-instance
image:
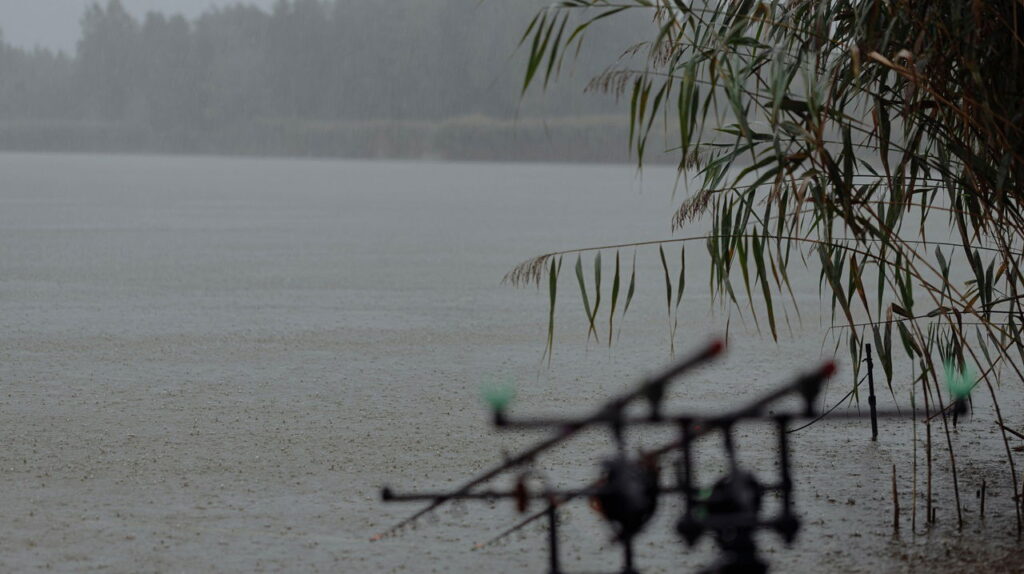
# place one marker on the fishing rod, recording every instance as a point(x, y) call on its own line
point(675, 445)
point(653, 389)
point(628, 491)
point(807, 385)
point(555, 502)
point(694, 426)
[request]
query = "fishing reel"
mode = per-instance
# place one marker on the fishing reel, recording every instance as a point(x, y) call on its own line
point(733, 504)
point(730, 510)
point(627, 495)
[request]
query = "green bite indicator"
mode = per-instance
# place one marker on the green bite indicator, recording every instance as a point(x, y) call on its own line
point(498, 394)
point(959, 381)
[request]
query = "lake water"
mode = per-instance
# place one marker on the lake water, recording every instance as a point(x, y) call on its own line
point(212, 364)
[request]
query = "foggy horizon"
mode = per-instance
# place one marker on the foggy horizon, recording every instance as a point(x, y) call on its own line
point(55, 24)
point(306, 78)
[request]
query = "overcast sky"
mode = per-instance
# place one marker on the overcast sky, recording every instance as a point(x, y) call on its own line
point(54, 23)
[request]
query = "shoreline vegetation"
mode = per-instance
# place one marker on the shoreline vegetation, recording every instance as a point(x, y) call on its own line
point(586, 139)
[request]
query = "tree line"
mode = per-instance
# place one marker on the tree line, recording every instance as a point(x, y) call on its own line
point(302, 60)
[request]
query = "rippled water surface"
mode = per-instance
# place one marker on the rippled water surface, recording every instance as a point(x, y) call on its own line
point(214, 364)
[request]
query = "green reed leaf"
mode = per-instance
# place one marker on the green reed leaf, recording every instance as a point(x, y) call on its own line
point(615, 300)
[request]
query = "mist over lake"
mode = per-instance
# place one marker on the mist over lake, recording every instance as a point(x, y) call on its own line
point(344, 78)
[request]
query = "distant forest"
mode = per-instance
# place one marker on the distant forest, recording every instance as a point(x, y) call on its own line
point(350, 78)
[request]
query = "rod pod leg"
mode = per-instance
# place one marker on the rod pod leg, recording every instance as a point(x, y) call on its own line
point(553, 561)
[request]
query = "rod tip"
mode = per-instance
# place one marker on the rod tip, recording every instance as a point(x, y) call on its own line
point(829, 369)
point(716, 347)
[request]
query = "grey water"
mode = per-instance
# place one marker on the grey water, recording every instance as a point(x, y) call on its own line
point(213, 364)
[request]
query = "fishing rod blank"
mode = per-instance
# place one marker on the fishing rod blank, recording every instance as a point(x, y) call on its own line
point(652, 388)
